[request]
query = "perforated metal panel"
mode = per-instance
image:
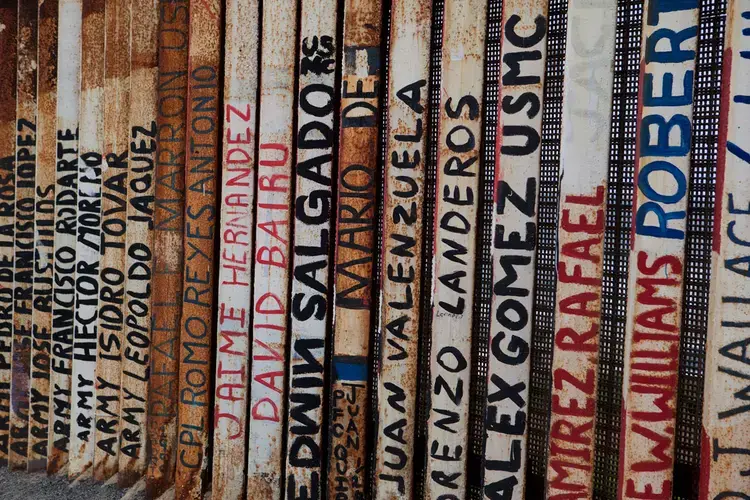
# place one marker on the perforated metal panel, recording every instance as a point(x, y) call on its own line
point(483, 292)
point(377, 277)
point(544, 302)
point(617, 246)
point(428, 234)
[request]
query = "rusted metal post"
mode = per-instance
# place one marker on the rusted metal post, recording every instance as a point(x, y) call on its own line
point(8, 77)
point(584, 163)
point(724, 450)
point(272, 256)
point(354, 251)
point(26, 113)
point(454, 248)
point(169, 208)
point(136, 341)
point(44, 236)
point(88, 241)
point(517, 157)
point(312, 247)
point(405, 157)
point(654, 319)
point(236, 249)
point(113, 271)
point(201, 184)
point(66, 211)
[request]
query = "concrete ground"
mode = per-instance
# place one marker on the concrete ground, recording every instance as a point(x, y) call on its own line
point(38, 486)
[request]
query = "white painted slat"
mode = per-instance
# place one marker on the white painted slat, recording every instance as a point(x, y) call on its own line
point(584, 162)
point(401, 298)
point(236, 248)
point(88, 242)
point(311, 289)
point(655, 283)
point(517, 157)
point(455, 253)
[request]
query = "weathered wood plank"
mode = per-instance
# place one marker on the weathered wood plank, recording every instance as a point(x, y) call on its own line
point(201, 185)
point(169, 208)
point(724, 456)
point(354, 250)
point(88, 240)
point(136, 342)
point(66, 215)
point(272, 261)
point(112, 273)
point(236, 249)
point(44, 236)
point(26, 137)
point(8, 78)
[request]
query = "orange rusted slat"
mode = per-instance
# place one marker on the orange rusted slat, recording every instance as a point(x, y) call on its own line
point(312, 247)
point(654, 318)
point(584, 162)
point(66, 204)
point(518, 153)
point(26, 136)
point(201, 176)
point(354, 250)
point(405, 156)
point(88, 242)
point(169, 207)
point(44, 234)
point(112, 277)
point(236, 249)
point(8, 76)
point(136, 336)
point(725, 454)
point(272, 249)
point(457, 198)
